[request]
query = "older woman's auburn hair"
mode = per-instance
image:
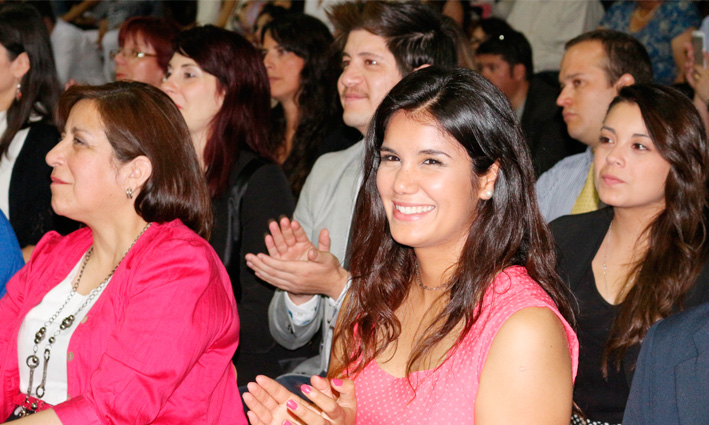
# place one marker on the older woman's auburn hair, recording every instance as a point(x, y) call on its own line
point(507, 230)
point(677, 247)
point(242, 121)
point(158, 32)
point(141, 120)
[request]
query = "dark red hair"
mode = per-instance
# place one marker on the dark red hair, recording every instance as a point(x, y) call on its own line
point(243, 120)
point(157, 32)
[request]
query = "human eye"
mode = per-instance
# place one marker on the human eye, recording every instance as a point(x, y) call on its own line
point(432, 161)
point(345, 63)
point(640, 146)
point(78, 142)
point(577, 83)
point(604, 140)
point(387, 157)
point(371, 62)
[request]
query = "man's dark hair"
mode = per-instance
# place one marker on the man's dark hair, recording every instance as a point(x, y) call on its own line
point(514, 49)
point(624, 55)
point(412, 31)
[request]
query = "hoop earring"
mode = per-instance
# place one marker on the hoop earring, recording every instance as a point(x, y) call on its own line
point(129, 193)
point(18, 93)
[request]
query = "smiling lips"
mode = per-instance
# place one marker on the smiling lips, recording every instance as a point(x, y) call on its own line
point(413, 210)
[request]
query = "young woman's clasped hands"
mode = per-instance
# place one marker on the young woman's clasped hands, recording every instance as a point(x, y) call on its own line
point(332, 401)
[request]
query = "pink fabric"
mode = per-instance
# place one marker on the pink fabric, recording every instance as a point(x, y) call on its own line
point(447, 395)
point(157, 345)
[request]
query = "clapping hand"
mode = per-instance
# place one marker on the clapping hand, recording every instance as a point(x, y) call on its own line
point(333, 403)
point(295, 265)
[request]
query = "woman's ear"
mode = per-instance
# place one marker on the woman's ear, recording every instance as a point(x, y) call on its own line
point(487, 182)
point(20, 66)
point(137, 172)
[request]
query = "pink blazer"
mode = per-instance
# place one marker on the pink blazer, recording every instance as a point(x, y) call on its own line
point(157, 345)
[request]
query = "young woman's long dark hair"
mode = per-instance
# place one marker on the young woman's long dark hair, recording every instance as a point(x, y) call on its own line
point(242, 121)
point(676, 237)
point(508, 229)
point(317, 99)
point(22, 31)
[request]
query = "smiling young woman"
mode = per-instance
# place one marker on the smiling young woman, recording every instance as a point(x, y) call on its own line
point(642, 258)
point(454, 311)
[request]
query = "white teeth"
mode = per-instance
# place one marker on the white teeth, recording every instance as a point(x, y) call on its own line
point(413, 210)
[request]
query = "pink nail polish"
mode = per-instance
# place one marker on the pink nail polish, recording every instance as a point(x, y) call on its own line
point(337, 382)
point(291, 405)
point(287, 422)
point(306, 389)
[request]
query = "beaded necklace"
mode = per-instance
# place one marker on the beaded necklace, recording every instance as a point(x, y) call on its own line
point(33, 360)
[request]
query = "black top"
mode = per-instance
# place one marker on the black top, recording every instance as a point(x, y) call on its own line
point(31, 213)
point(267, 197)
point(578, 238)
point(602, 399)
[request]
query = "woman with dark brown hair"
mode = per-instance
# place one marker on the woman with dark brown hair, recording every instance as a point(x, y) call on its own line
point(218, 81)
point(644, 257)
point(302, 71)
point(451, 316)
point(130, 319)
point(29, 90)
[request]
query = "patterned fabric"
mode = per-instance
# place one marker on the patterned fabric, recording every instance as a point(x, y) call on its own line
point(452, 387)
point(561, 185)
point(670, 20)
point(577, 420)
point(588, 198)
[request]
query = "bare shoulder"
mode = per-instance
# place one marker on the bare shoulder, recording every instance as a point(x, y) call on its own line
point(527, 376)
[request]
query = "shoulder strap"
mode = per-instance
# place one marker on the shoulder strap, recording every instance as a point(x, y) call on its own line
point(238, 188)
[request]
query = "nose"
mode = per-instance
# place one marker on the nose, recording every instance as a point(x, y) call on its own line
point(119, 59)
point(406, 180)
point(55, 156)
point(564, 98)
point(350, 76)
point(168, 84)
point(268, 61)
point(615, 155)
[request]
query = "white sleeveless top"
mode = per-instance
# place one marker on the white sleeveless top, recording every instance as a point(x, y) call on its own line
point(56, 385)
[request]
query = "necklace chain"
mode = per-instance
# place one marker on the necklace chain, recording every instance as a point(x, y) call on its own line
point(32, 360)
point(428, 288)
point(605, 265)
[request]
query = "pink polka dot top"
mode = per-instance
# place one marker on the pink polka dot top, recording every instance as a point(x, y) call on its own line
point(446, 395)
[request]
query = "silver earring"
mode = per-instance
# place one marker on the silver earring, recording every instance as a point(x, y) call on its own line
point(129, 193)
point(489, 193)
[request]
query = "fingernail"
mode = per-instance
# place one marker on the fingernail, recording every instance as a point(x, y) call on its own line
point(287, 422)
point(337, 382)
point(306, 389)
point(291, 405)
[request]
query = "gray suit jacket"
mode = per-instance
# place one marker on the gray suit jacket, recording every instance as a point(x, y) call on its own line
point(326, 201)
point(671, 383)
